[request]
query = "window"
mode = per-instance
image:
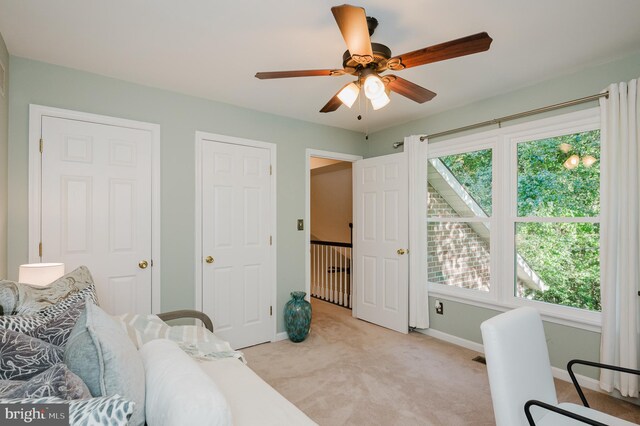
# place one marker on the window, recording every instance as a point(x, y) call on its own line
point(459, 207)
point(556, 233)
point(513, 217)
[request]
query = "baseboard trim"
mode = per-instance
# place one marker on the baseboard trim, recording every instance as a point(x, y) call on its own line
point(558, 373)
point(452, 339)
point(280, 336)
point(584, 381)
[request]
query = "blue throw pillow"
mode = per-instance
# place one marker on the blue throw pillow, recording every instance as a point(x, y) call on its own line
point(101, 354)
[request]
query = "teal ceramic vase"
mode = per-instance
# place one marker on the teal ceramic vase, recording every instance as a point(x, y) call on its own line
point(297, 316)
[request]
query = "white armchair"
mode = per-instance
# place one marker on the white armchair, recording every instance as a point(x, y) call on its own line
point(520, 374)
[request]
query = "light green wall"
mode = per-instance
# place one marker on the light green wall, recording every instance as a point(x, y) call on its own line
point(463, 320)
point(179, 117)
point(565, 343)
point(584, 83)
point(4, 143)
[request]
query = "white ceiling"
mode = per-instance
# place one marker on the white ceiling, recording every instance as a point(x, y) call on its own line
point(212, 49)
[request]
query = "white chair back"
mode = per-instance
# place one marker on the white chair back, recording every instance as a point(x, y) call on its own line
point(518, 364)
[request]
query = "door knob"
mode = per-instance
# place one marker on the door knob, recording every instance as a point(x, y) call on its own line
point(208, 259)
point(143, 264)
point(402, 251)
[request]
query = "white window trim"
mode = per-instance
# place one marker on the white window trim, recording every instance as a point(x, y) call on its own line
point(504, 142)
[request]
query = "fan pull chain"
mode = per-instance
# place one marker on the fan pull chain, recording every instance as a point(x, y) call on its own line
point(366, 121)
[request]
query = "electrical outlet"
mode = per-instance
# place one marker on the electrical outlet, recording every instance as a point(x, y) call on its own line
point(439, 307)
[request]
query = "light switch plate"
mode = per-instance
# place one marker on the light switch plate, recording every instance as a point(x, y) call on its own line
point(300, 225)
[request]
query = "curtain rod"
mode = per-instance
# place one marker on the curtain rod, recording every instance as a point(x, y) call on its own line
point(500, 120)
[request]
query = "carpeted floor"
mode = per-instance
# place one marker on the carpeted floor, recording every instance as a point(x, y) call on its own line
point(350, 372)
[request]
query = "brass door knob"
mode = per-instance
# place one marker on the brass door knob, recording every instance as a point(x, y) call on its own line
point(402, 251)
point(143, 264)
point(208, 259)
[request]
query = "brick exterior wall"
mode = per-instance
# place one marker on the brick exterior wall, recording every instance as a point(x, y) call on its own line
point(456, 254)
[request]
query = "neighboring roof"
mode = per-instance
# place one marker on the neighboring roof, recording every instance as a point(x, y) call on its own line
point(445, 183)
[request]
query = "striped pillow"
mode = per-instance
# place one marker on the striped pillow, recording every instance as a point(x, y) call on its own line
point(194, 340)
point(22, 323)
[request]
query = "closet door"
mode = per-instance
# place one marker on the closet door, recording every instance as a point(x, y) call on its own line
point(96, 207)
point(237, 267)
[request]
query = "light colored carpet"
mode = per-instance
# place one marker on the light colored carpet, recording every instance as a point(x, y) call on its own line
point(350, 372)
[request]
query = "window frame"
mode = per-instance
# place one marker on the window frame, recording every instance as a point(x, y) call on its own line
point(489, 142)
point(504, 142)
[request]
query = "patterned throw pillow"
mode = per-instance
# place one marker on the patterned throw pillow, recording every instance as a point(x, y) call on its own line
point(22, 356)
point(22, 323)
point(56, 331)
point(7, 386)
point(24, 299)
point(64, 304)
point(56, 381)
point(106, 410)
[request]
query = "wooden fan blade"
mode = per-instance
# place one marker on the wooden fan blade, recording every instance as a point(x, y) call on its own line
point(333, 104)
point(352, 22)
point(288, 74)
point(408, 89)
point(440, 52)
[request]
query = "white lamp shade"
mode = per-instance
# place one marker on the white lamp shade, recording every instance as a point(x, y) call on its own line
point(373, 86)
point(40, 274)
point(349, 94)
point(379, 102)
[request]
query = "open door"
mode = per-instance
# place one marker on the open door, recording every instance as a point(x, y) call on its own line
point(381, 261)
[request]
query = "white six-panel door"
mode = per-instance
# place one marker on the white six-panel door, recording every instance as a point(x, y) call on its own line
point(381, 262)
point(237, 266)
point(96, 207)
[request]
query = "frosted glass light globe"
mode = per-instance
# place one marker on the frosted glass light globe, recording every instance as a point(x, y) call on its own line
point(373, 86)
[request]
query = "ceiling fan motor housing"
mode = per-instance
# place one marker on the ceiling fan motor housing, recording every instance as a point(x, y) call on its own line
point(381, 54)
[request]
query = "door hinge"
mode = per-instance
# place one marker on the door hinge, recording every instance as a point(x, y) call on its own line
point(41, 144)
point(270, 170)
point(271, 310)
point(270, 240)
point(40, 249)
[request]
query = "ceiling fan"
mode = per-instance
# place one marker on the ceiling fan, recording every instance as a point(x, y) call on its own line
point(366, 61)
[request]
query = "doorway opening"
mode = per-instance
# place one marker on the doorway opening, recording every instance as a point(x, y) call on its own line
point(331, 230)
point(329, 227)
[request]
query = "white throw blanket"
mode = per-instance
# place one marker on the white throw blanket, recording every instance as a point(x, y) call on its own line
point(196, 341)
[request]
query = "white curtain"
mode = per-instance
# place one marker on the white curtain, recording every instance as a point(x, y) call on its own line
point(418, 297)
point(620, 235)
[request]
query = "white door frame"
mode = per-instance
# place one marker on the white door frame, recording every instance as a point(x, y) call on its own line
point(36, 112)
point(271, 147)
point(307, 210)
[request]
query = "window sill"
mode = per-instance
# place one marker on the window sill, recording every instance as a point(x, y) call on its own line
point(546, 312)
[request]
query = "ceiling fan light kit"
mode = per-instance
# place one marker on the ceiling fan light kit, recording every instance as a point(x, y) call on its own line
point(349, 94)
point(373, 85)
point(367, 61)
point(380, 101)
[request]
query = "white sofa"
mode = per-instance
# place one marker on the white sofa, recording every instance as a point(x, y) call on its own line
point(175, 385)
point(249, 399)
